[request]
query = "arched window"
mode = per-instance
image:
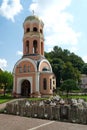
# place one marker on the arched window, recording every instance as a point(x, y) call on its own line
point(42, 48)
point(50, 83)
point(27, 47)
point(34, 46)
point(41, 31)
point(28, 30)
point(20, 69)
point(53, 80)
point(35, 29)
point(28, 68)
point(24, 68)
point(45, 69)
point(44, 83)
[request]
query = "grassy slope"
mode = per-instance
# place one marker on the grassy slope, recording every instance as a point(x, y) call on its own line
point(5, 98)
point(8, 97)
point(76, 97)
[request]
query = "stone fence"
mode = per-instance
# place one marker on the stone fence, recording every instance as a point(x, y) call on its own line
point(69, 110)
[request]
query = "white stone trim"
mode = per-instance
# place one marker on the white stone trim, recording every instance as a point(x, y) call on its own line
point(19, 82)
point(14, 83)
point(44, 60)
point(37, 82)
point(24, 59)
point(33, 35)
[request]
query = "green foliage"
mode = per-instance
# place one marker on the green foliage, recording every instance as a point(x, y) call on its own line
point(65, 65)
point(84, 68)
point(6, 80)
point(69, 72)
point(68, 85)
point(57, 65)
point(5, 98)
point(76, 61)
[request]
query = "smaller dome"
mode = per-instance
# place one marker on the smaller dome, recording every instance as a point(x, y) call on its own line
point(33, 17)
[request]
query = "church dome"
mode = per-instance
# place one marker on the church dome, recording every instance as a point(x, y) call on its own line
point(33, 17)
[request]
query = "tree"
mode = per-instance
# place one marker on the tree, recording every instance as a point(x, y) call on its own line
point(84, 68)
point(76, 61)
point(57, 53)
point(68, 85)
point(65, 55)
point(69, 72)
point(6, 80)
point(57, 65)
point(65, 65)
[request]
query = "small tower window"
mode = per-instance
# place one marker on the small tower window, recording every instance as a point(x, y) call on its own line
point(28, 30)
point(35, 29)
point(44, 83)
point(41, 31)
point(27, 47)
point(34, 46)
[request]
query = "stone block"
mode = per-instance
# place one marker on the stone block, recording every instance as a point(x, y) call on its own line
point(64, 112)
point(55, 114)
point(47, 112)
point(34, 111)
point(41, 112)
point(73, 117)
point(28, 110)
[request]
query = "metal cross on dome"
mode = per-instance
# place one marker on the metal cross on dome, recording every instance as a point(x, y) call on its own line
point(33, 12)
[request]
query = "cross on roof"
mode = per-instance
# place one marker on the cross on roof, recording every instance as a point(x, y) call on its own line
point(33, 12)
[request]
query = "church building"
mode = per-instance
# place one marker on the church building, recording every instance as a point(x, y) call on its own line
point(33, 76)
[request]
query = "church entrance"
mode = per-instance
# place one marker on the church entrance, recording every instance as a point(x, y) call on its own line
point(25, 88)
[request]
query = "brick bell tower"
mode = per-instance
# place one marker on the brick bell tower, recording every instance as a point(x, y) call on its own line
point(33, 39)
point(33, 76)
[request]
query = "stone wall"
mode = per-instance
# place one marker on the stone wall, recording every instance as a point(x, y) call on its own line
point(70, 110)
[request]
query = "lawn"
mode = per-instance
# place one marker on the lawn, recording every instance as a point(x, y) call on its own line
point(37, 99)
point(8, 97)
point(76, 97)
point(5, 98)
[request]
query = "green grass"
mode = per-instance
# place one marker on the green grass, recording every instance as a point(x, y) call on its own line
point(8, 97)
point(5, 98)
point(76, 97)
point(37, 99)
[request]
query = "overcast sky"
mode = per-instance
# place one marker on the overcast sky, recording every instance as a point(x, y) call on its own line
point(65, 25)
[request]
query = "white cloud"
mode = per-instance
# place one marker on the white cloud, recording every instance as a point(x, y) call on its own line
point(3, 64)
point(10, 8)
point(85, 58)
point(58, 22)
point(73, 49)
point(19, 53)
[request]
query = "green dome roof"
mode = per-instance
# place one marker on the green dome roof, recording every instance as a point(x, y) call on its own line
point(32, 18)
